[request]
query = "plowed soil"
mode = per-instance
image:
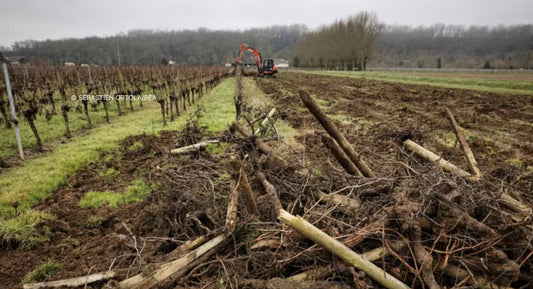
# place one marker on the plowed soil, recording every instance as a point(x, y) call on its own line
point(376, 116)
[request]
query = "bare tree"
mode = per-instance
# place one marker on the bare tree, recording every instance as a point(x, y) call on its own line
point(344, 44)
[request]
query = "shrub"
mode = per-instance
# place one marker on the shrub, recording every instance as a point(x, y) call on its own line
point(41, 273)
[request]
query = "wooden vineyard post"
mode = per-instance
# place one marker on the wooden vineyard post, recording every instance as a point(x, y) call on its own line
point(12, 105)
point(341, 156)
point(267, 121)
point(333, 131)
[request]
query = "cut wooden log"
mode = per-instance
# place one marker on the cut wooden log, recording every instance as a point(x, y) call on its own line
point(344, 203)
point(172, 270)
point(231, 215)
point(470, 159)
point(340, 250)
point(341, 156)
point(266, 121)
point(432, 157)
point(511, 203)
point(334, 132)
point(193, 148)
point(72, 282)
point(244, 185)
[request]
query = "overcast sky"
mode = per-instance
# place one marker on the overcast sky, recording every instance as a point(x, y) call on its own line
point(55, 19)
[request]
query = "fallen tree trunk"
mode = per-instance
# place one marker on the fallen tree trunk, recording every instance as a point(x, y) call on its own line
point(334, 132)
point(340, 250)
point(73, 282)
point(341, 156)
point(470, 159)
point(193, 148)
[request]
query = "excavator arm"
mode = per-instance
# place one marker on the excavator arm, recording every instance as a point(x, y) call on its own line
point(245, 47)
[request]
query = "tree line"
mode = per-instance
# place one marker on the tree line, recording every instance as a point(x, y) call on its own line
point(456, 46)
point(352, 43)
point(148, 47)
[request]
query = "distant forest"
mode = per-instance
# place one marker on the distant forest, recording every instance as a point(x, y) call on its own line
point(456, 46)
point(445, 46)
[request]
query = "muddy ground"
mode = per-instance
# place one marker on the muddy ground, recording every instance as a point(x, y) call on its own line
point(192, 191)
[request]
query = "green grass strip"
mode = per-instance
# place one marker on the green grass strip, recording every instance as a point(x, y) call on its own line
point(36, 178)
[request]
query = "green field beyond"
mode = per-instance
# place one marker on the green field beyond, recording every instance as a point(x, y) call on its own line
point(498, 82)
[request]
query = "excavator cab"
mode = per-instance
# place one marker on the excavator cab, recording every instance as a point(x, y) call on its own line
point(268, 67)
point(268, 64)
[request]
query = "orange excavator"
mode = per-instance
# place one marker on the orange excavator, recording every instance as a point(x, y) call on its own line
point(265, 67)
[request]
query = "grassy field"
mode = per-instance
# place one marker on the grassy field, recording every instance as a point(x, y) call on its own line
point(501, 82)
point(27, 184)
